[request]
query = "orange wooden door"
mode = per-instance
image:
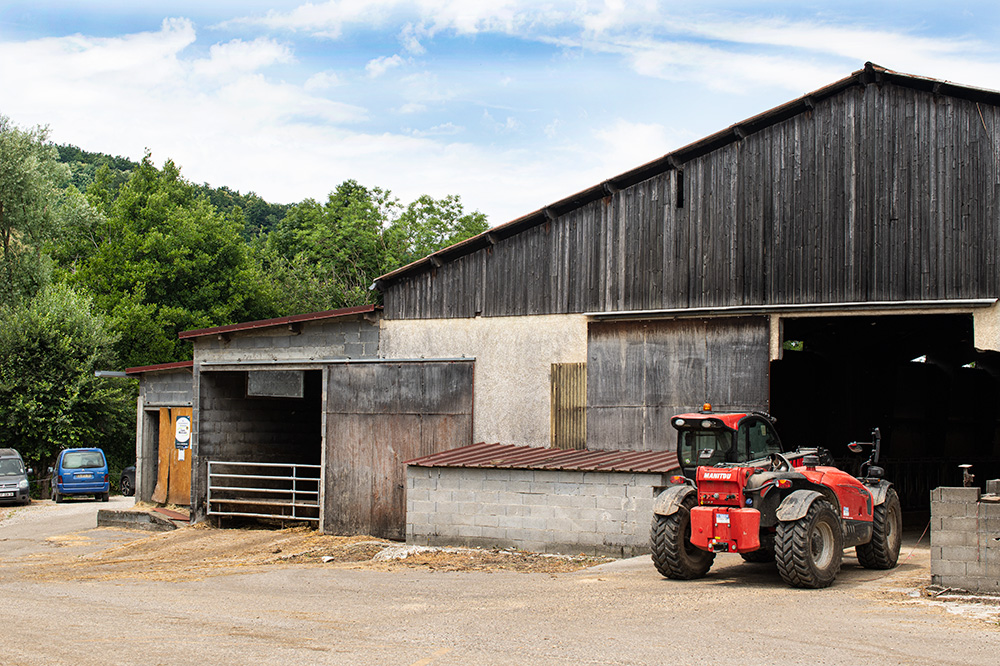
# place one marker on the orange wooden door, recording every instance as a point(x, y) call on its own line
point(173, 475)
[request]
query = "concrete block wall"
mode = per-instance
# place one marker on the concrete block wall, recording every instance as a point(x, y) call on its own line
point(569, 512)
point(965, 540)
point(351, 338)
point(167, 388)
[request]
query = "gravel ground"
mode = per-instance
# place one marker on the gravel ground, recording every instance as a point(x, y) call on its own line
point(89, 596)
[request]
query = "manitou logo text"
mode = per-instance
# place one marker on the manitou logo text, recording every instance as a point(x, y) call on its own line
point(718, 476)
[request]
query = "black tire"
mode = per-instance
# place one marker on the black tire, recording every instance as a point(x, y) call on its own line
point(105, 497)
point(673, 553)
point(808, 551)
point(126, 487)
point(57, 497)
point(882, 552)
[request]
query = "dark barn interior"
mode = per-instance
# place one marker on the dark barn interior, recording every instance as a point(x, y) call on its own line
point(270, 417)
point(236, 426)
point(918, 378)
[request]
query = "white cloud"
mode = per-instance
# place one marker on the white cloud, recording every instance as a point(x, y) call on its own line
point(412, 107)
point(446, 129)
point(382, 64)
point(626, 144)
point(237, 56)
point(322, 81)
point(509, 124)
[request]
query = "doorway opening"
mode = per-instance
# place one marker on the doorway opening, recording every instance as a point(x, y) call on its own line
point(918, 378)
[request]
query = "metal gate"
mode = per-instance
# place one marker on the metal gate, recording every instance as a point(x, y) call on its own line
point(286, 491)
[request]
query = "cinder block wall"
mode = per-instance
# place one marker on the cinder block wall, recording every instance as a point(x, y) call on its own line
point(167, 388)
point(570, 512)
point(965, 540)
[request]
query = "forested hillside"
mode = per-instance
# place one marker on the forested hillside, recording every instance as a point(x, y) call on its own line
point(105, 260)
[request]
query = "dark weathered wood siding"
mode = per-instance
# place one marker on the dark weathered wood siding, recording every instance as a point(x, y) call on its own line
point(639, 374)
point(881, 192)
point(378, 416)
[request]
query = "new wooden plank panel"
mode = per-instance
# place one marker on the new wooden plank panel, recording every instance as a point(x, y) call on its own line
point(179, 483)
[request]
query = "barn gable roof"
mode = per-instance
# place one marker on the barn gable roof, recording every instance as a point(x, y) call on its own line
point(868, 75)
point(280, 321)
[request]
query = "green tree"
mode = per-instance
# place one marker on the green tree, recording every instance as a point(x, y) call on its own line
point(30, 181)
point(335, 250)
point(159, 259)
point(429, 224)
point(49, 397)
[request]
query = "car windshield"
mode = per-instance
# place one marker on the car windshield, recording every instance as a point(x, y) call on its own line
point(83, 460)
point(11, 467)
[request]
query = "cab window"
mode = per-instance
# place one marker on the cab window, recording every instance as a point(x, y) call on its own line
point(705, 447)
point(758, 438)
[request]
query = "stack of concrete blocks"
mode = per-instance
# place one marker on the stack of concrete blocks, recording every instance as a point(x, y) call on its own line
point(555, 511)
point(965, 538)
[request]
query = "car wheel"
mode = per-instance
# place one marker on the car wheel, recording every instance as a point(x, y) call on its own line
point(105, 497)
point(126, 487)
point(57, 498)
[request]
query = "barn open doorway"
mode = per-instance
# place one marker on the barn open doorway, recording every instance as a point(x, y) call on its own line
point(260, 443)
point(918, 378)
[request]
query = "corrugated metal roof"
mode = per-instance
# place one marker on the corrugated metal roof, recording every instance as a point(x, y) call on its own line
point(279, 321)
point(508, 456)
point(869, 74)
point(156, 368)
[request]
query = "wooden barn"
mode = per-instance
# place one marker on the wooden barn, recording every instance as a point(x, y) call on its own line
point(832, 261)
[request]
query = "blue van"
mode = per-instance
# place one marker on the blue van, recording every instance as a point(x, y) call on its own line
point(81, 472)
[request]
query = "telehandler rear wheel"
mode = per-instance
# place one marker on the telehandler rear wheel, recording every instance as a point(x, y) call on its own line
point(808, 551)
point(673, 553)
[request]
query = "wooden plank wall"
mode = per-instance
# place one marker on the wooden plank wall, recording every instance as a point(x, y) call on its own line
point(380, 415)
point(878, 193)
point(639, 374)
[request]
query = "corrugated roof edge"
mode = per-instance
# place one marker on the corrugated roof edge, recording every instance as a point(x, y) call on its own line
point(870, 73)
point(156, 368)
point(279, 321)
point(509, 456)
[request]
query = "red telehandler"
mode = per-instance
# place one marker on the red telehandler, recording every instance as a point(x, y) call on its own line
point(741, 492)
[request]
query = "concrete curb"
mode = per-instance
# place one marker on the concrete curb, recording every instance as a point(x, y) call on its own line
point(134, 520)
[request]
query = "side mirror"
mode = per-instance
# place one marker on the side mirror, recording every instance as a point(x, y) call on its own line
point(30, 471)
point(854, 447)
point(50, 470)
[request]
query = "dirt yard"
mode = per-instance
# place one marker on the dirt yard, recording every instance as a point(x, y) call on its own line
point(199, 551)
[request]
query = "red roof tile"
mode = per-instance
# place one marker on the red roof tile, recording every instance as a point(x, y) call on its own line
point(507, 456)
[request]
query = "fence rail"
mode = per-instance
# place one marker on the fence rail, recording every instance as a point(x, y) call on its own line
point(263, 490)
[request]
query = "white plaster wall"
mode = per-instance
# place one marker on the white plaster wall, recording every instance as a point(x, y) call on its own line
point(986, 328)
point(513, 365)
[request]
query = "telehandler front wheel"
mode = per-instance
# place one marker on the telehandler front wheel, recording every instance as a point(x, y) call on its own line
point(808, 551)
point(673, 553)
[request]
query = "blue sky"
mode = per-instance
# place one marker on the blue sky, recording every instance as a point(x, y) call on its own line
point(510, 104)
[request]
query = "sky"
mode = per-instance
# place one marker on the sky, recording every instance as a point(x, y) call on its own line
point(510, 104)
